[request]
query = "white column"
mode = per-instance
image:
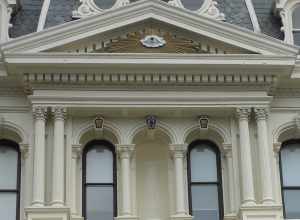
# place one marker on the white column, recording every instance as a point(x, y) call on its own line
point(58, 178)
point(76, 152)
point(246, 161)
point(125, 152)
point(178, 152)
point(231, 182)
point(264, 155)
point(39, 114)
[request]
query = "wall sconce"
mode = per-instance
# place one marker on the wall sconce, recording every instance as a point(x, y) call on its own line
point(151, 122)
point(99, 123)
point(203, 122)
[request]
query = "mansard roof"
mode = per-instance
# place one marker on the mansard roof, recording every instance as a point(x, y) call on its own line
point(25, 21)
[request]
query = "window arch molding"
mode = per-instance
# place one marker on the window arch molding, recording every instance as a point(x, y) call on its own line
point(286, 9)
point(218, 182)
point(288, 154)
point(8, 144)
point(113, 184)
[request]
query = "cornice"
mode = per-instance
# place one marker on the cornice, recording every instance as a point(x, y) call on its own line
point(184, 63)
point(141, 11)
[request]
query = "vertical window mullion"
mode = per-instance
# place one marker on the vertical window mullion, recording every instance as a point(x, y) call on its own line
point(99, 181)
point(206, 182)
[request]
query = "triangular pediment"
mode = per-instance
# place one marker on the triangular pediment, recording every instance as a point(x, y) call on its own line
point(121, 31)
point(150, 36)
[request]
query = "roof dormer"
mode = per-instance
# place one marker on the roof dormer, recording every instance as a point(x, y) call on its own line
point(289, 11)
point(206, 8)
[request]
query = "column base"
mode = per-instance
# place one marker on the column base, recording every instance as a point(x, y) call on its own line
point(261, 212)
point(75, 217)
point(47, 213)
point(126, 217)
point(181, 217)
point(231, 216)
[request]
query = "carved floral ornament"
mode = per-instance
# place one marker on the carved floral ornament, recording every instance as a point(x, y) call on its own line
point(89, 7)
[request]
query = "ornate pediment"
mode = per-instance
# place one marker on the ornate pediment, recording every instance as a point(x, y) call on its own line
point(151, 41)
point(151, 37)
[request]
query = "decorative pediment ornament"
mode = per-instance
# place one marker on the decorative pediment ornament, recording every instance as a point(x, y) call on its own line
point(89, 7)
point(153, 41)
point(209, 9)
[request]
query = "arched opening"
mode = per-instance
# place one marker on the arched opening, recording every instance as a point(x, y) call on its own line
point(99, 181)
point(205, 181)
point(290, 178)
point(10, 180)
point(152, 165)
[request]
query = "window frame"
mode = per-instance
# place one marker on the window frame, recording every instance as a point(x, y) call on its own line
point(15, 146)
point(295, 30)
point(219, 182)
point(285, 144)
point(86, 149)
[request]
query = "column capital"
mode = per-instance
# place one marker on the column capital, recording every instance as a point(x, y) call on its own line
point(76, 151)
point(243, 113)
point(178, 150)
point(39, 112)
point(24, 148)
point(261, 113)
point(59, 112)
point(125, 150)
point(227, 150)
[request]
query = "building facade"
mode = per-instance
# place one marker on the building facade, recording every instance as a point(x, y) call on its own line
point(149, 110)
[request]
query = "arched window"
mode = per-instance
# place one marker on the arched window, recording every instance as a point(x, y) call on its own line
point(296, 25)
point(9, 180)
point(99, 181)
point(290, 178)
point(193, 5)
point(205, 182)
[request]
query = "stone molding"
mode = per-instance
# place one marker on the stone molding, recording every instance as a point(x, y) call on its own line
point(125, 150)
point(178, 150)
point(150, 78)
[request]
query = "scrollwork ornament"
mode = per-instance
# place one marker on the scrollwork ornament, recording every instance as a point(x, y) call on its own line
point(39, 112)
point(59, 113)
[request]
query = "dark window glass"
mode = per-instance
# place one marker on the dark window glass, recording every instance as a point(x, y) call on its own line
point(296, 37)
point(105, 4)
point(192, 4)
point(99, 181)
point(205, 185)
point(9, 180)
point(290, 178)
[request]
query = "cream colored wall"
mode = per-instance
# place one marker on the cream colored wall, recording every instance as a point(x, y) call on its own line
point(17, 124)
